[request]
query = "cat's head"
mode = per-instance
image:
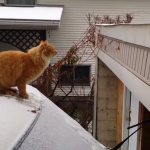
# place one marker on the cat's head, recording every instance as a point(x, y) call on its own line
point(47, 49)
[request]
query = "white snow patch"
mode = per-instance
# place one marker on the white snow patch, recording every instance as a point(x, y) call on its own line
point(16, 116)
point(31, 13)
point(85, 136)
point(15, 119)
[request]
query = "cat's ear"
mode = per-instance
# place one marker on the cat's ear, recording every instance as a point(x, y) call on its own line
point(44, 44)
point(41, 41)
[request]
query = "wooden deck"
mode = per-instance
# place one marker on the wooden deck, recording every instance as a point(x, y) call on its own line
point(133, 57)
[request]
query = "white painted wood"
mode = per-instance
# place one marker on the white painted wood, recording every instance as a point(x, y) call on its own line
point(125, 122)
point(111, 46)
point(133, 83)
point(123, 53)
point(144, 62)
point(105, 45)
point(31, 13)
point(95, 99)
point(147, 66)
point(149, 76)
point(140, 61)
point(134, 58)
point(114, 46)
point(136, 34)
point(129, 55)
point(116, 49)
point(134, 120)
point(119, 52)
point(137, 60)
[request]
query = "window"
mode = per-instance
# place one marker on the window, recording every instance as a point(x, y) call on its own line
point(20, 2)
point(77, 75)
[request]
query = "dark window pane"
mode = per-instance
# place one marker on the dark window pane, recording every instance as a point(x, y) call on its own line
point(82, 75)
point(21, 2)
point(66, 75)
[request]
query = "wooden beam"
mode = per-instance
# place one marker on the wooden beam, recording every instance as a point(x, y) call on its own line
point(119, 111)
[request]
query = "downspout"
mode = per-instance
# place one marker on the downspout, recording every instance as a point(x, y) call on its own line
point(95, 100)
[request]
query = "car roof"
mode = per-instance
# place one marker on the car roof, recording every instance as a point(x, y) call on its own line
point(47, 128)
point(15, 117)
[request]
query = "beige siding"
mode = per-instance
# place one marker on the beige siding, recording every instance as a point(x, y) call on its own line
point(1, 1)
point(73, 22)
point(75, 10)
point(72, 27)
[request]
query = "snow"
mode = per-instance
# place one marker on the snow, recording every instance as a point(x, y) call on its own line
point(53, 130)
point(31, 13)
point(15, 117)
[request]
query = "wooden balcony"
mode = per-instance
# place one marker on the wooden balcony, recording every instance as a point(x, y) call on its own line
point(129, 45)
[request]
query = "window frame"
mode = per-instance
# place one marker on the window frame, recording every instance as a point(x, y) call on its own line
point(78, 84)
point(19, 5)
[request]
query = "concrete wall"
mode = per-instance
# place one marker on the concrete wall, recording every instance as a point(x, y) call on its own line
point(106, 106)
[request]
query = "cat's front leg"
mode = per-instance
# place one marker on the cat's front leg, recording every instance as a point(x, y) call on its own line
point(22, 90)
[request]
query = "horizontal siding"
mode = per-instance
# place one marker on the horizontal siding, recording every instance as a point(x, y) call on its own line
point(1, 1)
point(72, 9)
point(73, 23)
point(77, 91)
point(72, 27)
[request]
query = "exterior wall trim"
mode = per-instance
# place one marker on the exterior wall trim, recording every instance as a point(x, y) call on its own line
point(95, 99)
point(125, 33)
point(133, 83)
point(125, 123)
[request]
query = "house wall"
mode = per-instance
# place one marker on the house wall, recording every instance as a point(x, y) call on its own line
point(72, 26)
point(135, 58)
point(107, 94)
point(73, 22)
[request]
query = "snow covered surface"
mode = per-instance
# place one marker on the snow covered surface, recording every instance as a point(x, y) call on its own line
point(54, 130)
point(16, 117)
point(138, 34)
point(31, 13)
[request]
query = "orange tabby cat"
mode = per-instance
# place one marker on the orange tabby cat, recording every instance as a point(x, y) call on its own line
point(18, 68)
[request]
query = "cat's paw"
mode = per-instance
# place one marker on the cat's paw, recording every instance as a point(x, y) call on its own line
point(7, 92)
point(24, 95)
